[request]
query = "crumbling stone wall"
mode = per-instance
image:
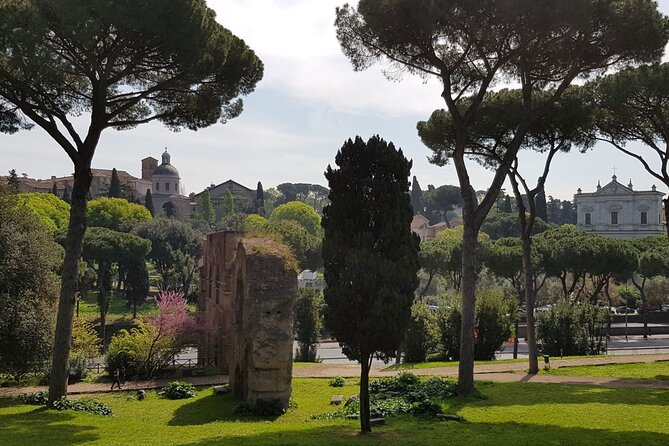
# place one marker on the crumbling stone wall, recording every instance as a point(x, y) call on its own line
point(247, 292)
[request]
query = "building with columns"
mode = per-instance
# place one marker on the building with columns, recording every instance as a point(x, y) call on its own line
point(619, 211)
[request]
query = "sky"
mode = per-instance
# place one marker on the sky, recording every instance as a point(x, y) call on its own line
point(308, 104)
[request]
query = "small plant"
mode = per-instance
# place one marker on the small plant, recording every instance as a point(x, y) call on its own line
point(263, 409)
point(80, 405)
point(34, 399)
point(178, 390)
point(83, 405)
point(402, 394)
point(337, 381)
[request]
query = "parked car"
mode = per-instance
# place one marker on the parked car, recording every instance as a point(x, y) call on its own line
point(625, 310)
point(665, 307)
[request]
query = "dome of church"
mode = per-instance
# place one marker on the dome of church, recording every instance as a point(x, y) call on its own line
point(166, 169)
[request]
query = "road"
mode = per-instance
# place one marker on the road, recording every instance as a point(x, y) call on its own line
point(330, 352)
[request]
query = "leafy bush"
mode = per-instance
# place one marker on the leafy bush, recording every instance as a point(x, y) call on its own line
point(85, 345)
point(493, 326)
point(34, 399)
point(572, 329)
point(178, 390)
point(337, 381)
point(493, 323)
point(83, 405)
point(449, 321)
point(308, 317)
point(80, 405)
point(405, 393)
point(422, 336)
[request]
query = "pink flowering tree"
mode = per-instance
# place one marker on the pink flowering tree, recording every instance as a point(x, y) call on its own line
point(151, 346)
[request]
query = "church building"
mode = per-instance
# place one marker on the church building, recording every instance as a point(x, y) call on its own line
point(618, 211)
point(165, 187)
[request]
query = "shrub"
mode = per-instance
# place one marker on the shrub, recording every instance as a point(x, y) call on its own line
point(493, 326)
point(34, 399)
point(449, 321)
point(83, 405)
point(85, 345)
point(337, 381)
point(79, 405)
point(308, 316)
point(571, 329)
point(178, 390)
point(405, 393)
point(142, 351)
point(422, 336)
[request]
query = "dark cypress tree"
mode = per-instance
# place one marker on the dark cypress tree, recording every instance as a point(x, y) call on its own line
point(260, 199)
point(506, 206)
point(67, 198)
point(540, 205)
point(13, 181)
point(54, 189)
point(416, 197)
point(370, 254)
point(115, 186)
point(148, 202)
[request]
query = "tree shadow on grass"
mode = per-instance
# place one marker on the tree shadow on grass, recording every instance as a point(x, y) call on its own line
point(42, 426)
point(409, 431)
point(210, 409)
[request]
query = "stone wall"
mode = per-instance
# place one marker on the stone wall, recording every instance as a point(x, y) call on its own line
point(247, 292)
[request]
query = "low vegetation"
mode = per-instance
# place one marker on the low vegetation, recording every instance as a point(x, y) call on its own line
point(658, 370)
point(505, 413)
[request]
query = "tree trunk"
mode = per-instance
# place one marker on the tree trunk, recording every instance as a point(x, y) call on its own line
point(666, 214)
point(468, 289)
point(515, 338)
point(528, 278)
point(365, 426)
point(69, 281)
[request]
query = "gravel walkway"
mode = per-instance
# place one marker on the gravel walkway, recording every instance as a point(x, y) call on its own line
point(500, 372)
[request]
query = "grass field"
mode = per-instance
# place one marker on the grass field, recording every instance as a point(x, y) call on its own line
point(507, 414)
point(118, 309)
point(658, 370)
point(433, 364)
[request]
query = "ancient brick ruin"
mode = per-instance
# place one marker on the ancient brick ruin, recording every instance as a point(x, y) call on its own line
point(247, 291)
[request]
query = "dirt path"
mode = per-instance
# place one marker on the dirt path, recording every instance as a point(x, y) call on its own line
point(499, 372)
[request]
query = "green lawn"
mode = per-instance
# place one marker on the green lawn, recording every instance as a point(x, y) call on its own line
point(508, 414)
point(118, 309)
point(651, 370)
point(433, 364)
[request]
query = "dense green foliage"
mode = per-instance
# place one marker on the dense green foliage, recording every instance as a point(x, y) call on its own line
point(299, 212)
point(308, 323)
point(572, 329)
point(117, 214)
point(492, 328)
point(85, 346)
point(178, 390)
point(422, 336)
point(370, 255)
point(175, 250)
point(52, 212)
point(29, 262)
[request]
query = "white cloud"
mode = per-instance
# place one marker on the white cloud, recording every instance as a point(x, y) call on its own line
point(296, 40)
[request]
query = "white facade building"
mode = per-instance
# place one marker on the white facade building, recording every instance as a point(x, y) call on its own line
point(619, 211)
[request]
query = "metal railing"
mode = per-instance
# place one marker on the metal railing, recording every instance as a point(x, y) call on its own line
point(176, 363)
